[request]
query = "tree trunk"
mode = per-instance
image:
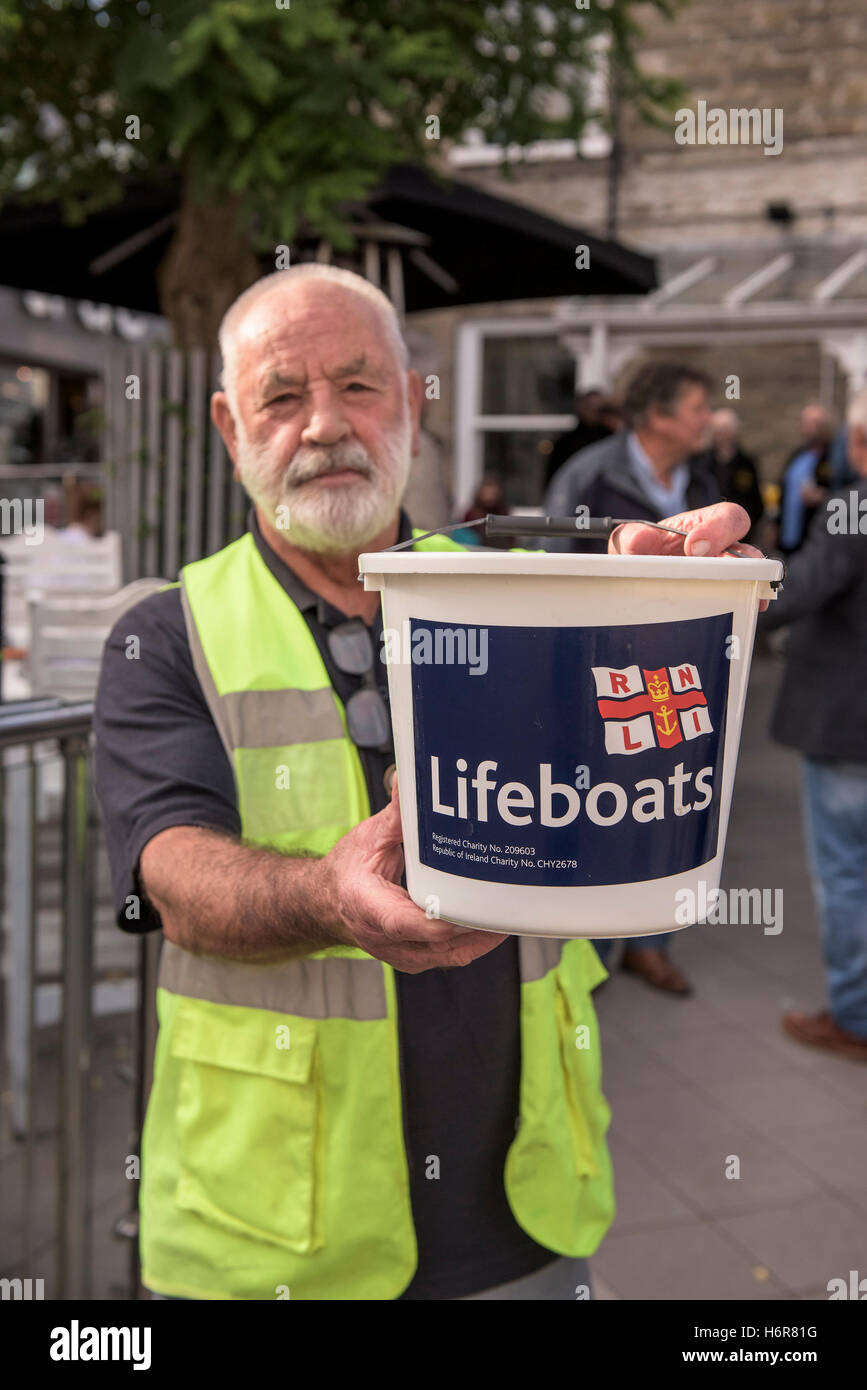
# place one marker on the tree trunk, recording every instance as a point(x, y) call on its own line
point(208, 264)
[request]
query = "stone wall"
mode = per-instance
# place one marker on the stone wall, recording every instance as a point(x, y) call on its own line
point(806, 57)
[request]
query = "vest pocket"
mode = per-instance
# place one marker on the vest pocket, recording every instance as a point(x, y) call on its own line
point(248, 1122)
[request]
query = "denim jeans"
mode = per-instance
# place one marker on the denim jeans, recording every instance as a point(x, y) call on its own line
point(835, 817)
point(604, 947)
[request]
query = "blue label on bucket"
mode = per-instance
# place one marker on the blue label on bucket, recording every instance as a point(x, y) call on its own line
point(569, 756)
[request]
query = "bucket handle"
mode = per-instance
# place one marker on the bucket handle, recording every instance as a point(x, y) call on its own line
point(591, 528)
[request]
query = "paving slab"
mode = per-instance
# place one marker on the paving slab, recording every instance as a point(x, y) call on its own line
point(689, 1260)
point(804, 1244)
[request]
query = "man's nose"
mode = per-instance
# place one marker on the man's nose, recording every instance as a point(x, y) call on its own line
point(325, 422)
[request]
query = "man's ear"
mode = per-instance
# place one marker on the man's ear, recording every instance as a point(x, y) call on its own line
point(415, 394)
point(222, 416)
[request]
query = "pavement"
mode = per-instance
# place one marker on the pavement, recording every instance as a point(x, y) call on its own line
point(700, 1087)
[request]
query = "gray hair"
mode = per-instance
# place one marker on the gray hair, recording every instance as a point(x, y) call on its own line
point(282, 282)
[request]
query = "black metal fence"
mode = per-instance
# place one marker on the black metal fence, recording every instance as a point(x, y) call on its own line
point(78, 1022)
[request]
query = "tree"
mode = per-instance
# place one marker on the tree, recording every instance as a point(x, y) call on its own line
point(276, 113)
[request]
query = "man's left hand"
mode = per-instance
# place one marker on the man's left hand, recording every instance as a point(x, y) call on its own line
point(710, 531)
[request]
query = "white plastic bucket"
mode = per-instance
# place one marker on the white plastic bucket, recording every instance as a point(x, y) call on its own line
point(566, 732)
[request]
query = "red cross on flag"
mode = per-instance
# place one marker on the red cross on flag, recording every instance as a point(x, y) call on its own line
point(650, 709)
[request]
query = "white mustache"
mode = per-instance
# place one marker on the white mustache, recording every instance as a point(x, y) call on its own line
point(311, 464)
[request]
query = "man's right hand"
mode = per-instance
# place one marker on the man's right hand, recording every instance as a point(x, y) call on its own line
point(361, 882)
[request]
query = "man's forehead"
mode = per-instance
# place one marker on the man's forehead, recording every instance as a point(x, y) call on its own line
point(318, 325)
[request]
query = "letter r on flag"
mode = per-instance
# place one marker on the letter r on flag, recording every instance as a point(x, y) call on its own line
point(616, 683)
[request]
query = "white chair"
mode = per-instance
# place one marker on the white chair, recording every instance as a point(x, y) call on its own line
point(67, 635)
point(55, 565)
point(59, 564)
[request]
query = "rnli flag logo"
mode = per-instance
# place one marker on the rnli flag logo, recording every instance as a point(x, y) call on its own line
point(650, 709)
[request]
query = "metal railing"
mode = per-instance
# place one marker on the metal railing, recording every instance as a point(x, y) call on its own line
point(28, 727)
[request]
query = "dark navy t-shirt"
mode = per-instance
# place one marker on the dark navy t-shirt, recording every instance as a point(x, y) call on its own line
point(159, 762)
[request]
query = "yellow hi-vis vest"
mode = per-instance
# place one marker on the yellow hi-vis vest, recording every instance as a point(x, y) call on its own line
point(273, 1155)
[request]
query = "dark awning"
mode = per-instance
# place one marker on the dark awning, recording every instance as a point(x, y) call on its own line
point(458, 245)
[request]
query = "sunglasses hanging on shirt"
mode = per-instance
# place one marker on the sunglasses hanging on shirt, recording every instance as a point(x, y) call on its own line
point(367, 717)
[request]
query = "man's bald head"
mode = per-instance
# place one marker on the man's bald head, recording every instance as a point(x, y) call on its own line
point(816, 426)
point(245, 319)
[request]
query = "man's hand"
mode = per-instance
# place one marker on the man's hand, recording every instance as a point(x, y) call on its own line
point(361, 884)
point(710, 531)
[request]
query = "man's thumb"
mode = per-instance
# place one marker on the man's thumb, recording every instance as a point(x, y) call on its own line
point(389, 817)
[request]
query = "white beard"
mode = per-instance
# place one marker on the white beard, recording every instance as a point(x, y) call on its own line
point(331, 518)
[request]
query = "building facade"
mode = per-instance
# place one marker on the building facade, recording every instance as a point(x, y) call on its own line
point(753, 198)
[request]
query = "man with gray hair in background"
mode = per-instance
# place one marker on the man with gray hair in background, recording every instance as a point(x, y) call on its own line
point(734, 470)
point(821, 710)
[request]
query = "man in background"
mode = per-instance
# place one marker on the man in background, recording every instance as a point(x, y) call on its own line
point(806, 478)
point(821, 710)
point(735, 471)
point(592, 409)
point(648, 470)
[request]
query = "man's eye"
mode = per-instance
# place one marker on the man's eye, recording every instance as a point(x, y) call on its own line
point(286, 396)
point(357, 386)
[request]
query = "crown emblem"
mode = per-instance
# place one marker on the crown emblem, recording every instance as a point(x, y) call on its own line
point(658, 689)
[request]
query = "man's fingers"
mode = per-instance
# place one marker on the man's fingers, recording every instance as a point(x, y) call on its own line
point(414, 958)
point(712, 530)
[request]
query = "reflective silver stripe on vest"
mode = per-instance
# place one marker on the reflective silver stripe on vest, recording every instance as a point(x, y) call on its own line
point(538, 955)
point(262, 718)
point(336, 987)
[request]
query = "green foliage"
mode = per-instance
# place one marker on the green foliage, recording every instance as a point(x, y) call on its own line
point(296, 109)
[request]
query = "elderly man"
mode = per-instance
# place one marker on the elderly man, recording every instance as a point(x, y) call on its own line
point(734, 470)
point(350, 1101)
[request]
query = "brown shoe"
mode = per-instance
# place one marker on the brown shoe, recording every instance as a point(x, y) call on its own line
point(653, 965)
point(820, 1030)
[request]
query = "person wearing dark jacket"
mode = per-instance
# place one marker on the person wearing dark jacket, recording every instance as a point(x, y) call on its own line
point(821, 710)
point(591, 427)
point(645, 473)
point(734, 470)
